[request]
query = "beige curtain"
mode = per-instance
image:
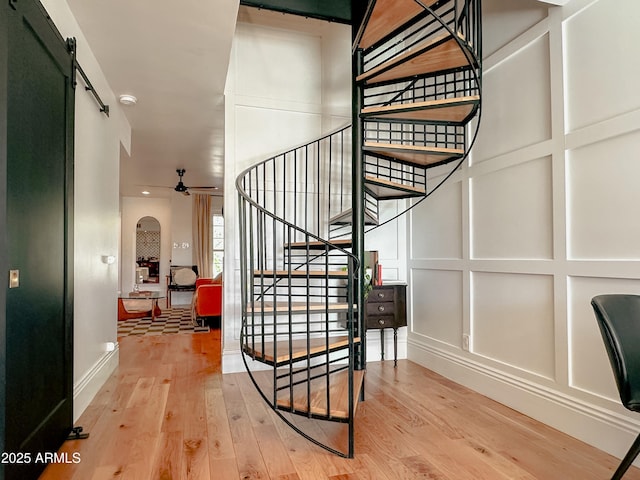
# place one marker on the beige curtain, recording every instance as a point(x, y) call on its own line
point(202, 233)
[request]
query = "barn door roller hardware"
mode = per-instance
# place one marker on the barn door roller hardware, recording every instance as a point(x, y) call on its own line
point(71, 45)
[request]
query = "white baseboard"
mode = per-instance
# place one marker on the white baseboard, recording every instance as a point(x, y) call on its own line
point(232, 361)
point(604, 429)
point(91, 382)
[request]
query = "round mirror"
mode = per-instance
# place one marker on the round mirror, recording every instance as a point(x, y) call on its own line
point(148, 250)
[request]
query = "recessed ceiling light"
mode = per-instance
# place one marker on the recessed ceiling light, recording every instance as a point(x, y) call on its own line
point(128, 100)
point(145, 192)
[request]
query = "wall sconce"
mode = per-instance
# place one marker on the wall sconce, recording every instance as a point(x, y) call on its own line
point(108, 259)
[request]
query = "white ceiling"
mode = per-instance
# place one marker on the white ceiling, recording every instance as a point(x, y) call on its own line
point(172, 56)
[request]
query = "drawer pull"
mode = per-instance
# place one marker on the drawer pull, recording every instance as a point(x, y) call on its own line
point(381, 308)
point(381, 322)
point(380, 295)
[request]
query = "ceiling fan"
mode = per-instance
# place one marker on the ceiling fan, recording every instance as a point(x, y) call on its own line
point(182, 188)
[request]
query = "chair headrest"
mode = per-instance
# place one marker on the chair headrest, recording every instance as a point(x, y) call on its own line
point(184, 276)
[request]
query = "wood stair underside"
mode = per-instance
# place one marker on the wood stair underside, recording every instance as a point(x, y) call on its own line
point(387, 16)
point(437, 55)
point(284, 352)
point(317, 403)
point(319, 245)
point(415, 155)
point(448, 110)
point(387, 189)
point(344, 218)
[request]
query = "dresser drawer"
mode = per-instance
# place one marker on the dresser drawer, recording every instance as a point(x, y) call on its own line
point(381, 294)
point(381, 321)
point(380, 308)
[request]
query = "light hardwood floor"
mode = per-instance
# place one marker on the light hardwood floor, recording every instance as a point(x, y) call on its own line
point(168, 413)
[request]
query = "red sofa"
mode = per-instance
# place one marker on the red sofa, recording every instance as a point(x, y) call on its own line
point(207, 300)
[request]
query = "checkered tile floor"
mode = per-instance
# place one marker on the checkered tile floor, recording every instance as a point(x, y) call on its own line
point(174, 320)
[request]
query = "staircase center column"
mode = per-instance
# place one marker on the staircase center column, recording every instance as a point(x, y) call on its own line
point(358, 206)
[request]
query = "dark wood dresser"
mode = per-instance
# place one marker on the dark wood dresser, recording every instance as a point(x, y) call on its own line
point(386, 307)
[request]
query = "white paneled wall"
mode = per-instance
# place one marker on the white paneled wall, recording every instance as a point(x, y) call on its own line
point(440, 305)
point(505, 258)
point(600, 195)
point(437, 225)
point(601, 43)
point(520, 227)
point(524, 112)
point(512, 320)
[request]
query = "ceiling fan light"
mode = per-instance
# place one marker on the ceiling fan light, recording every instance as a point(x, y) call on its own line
point(128, 100)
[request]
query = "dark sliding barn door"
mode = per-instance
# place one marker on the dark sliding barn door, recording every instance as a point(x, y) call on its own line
point(39, 336)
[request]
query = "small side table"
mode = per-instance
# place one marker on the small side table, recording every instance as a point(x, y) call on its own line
point(386, 307)
point(144, 295)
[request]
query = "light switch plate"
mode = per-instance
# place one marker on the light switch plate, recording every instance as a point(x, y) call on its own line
point(14, 278)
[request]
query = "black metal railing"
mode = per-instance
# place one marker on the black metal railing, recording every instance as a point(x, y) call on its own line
point(298, 289)
point(434, 87)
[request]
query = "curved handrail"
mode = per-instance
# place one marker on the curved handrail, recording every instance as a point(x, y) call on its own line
point(282, 261)
point(240, 188)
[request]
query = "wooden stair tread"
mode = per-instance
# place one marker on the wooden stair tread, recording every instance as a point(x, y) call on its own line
point(299, 350)
point(301, 273)
point(344, 218)
point(415, 154)
point(455, 110)
point(387, 16)
point(338, 392)
point(299, 307)
point(383, 188)
point(345, 243)
point(440, 54)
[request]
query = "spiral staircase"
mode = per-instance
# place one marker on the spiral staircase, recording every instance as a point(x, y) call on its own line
point(304, 213)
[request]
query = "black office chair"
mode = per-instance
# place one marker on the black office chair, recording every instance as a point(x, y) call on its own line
point(619, 321)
